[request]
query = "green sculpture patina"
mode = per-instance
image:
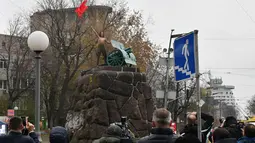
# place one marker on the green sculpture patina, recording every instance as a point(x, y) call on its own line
point(121, 56)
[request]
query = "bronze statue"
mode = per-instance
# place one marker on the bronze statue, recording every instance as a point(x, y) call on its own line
point(101, 46)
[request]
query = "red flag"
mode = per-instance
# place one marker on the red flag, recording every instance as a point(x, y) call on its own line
point(81, 9)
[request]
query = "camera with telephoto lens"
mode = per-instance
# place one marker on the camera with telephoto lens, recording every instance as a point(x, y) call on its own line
point(125, 135)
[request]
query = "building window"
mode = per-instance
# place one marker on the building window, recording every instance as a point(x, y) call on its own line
point(14, 83)
point(31, 83)
point(3, 44)
point(3, 63)
point(3, 84)
point(226, 92)
point(23, 83)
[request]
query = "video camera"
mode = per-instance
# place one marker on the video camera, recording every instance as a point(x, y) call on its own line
point(125, 136)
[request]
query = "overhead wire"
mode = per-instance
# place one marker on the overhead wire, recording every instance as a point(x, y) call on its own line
point(229, 68)
point(235, 39)
point(245, 11)
point(13, 3)
point(228, 39)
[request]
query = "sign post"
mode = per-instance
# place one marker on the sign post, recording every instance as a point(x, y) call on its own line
point(186, 65)
point(10, 113)
point(167, 70)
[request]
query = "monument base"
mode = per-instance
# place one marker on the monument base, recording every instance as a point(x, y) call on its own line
point(103, 95)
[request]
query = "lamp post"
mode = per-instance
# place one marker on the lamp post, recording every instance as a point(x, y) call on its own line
point(37, 41)
point(15, 110)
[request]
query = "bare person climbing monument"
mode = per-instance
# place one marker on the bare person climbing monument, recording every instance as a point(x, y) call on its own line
point(101, 46)
point(185, 52)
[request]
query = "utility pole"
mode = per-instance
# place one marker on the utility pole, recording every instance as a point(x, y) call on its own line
point(220, 107)
point(176, 101)
point(198, 87)
point(167, 70)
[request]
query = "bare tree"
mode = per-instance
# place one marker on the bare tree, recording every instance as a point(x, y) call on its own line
point(129, 29)
point(70, 47)
point(17, 62)
point(251, 105)
point(72, 43)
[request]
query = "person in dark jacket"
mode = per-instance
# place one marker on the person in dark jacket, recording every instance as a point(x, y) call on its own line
point(191, 127)
point(161, 132)
point(59, 135)
point(249, 134)
point(188, 138)
point(112, 135)
point(221, 135)
point(15, 134)
point(231, 125)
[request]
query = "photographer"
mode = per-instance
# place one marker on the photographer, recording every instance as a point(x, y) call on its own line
point(112, 135)
point(233, 128)
point(15, 135)
point(117, 133)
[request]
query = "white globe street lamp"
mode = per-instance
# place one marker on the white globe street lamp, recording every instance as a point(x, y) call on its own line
point(38, 42)
point(16, 108)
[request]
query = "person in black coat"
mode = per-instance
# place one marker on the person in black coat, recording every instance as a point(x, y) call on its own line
point(161, 133)
point(59, 135)
point(191, 127)
point(188, 138)
point(231, 125)
point(221, 135)
point(15, 134)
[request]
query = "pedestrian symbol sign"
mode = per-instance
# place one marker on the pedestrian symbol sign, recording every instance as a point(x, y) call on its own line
point(184, 57)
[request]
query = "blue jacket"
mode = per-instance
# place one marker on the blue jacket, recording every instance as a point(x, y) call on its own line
point(15, 137)
point(246, 140)
point(58, 135)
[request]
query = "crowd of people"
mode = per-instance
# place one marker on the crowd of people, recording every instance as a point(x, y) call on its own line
point(228, 132)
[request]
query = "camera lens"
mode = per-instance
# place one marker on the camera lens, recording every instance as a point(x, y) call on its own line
point(123, 120)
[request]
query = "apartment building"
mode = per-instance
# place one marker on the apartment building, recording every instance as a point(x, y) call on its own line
point(15, 67)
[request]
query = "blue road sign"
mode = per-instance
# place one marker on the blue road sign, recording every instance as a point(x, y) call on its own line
point(184, 57)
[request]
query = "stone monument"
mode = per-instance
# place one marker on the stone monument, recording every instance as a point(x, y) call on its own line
point(105, 93)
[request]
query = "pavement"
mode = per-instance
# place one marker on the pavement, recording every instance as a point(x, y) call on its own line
point(45, 138)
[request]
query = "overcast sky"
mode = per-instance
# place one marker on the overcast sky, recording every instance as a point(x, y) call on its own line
point(226, 33)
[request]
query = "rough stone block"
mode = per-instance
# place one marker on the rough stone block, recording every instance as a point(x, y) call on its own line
point(145, 89)
point(125, 77)
point(150, 109)
point(137, 78)
point(121, 88)
point(113, 112)
point(98, 113)
point(136, 93)
point(101, 93)
point(131, 109)
point(120, 101)
point(140, 125)
point(142, 106)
